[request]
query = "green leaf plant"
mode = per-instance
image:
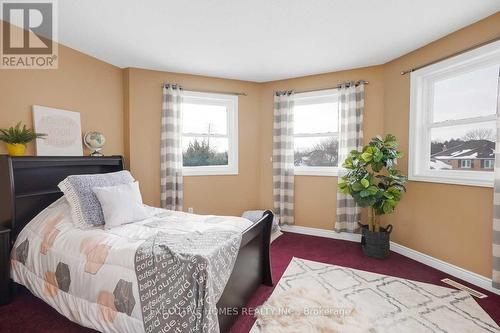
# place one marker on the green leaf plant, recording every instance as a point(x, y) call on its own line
point(372, 179)
point(19, 135)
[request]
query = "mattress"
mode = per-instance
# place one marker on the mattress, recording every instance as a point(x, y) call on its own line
point(88, 275)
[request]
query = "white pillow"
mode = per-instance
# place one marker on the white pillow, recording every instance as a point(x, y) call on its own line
point(121, 204)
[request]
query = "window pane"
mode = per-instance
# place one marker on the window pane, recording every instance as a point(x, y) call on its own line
point(464, 147)
point(204, 119)
point(316, 151)
point(202, 151)
point(316, 118)
point(489, 164)
point(472, 94)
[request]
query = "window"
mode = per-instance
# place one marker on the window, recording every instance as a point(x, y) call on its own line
point(316, 127)
point(209, 134)
point(453, 118)
point(465, 164)
point(488, 164)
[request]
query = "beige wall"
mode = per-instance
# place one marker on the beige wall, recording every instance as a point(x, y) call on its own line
point(315, 197)
point(81, 83)
point(228, 194)
point(449, 222)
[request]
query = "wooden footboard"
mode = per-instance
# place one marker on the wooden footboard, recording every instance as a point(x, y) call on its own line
point(252, 268)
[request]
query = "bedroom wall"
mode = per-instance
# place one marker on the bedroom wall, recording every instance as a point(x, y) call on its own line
point(225, 195)
point(81, 83)
point(449, 222)
point(315, 196)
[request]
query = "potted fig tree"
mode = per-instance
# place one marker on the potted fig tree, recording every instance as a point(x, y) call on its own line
point(374, 182)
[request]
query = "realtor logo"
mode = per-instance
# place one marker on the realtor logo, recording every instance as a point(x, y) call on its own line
point(28, 33)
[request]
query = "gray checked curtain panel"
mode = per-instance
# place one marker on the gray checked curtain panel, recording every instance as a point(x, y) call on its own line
point(496, 204)
point(171, 148)
point(351, 107)
point(283, 161)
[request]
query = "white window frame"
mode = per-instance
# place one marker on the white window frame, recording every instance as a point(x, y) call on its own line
point(491, 164)
point(231, 104)
point(465, 164)
point(421, 122)
point(316, 97)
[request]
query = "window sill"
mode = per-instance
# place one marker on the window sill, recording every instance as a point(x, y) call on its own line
point(334, 172)
point(209, 171)
point(466, 181)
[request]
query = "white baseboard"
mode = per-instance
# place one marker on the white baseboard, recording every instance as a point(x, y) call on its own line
point(463, 274)
point(321, 233)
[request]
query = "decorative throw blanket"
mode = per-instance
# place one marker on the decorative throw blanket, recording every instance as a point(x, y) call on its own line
point(181, 278)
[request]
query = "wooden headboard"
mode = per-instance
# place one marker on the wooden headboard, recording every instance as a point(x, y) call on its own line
point(29, 184)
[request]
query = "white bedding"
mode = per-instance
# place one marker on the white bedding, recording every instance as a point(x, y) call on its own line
point(88, 275)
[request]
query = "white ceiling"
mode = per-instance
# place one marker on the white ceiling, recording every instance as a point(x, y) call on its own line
point(259, 40)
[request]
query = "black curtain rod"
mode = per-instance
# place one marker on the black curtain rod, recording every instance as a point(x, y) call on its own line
point(355, 83)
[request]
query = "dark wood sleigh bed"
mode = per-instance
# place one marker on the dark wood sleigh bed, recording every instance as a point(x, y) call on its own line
point(29, 184)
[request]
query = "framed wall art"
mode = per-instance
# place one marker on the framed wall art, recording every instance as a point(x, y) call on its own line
point(63, 129)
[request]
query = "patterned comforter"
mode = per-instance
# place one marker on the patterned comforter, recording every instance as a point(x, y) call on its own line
point(91, 276)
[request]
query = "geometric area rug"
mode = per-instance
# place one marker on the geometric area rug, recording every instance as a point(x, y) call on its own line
point(317, 297)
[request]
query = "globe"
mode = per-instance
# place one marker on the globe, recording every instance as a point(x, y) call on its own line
point(94, 141)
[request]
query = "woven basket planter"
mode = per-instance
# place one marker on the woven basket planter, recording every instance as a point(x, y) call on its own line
point(376, 244)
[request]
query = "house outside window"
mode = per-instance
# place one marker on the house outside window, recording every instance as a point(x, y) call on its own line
point(453, 118)
point(474, 154)
point(209, 134)
point(316, 127)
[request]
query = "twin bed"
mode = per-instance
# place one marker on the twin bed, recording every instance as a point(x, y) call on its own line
point(112, 280)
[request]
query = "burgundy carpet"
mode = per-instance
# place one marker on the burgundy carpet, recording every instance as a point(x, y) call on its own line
point(26, 313)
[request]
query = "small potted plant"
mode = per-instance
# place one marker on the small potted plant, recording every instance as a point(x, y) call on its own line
point(16, 138)
point(373, 182)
